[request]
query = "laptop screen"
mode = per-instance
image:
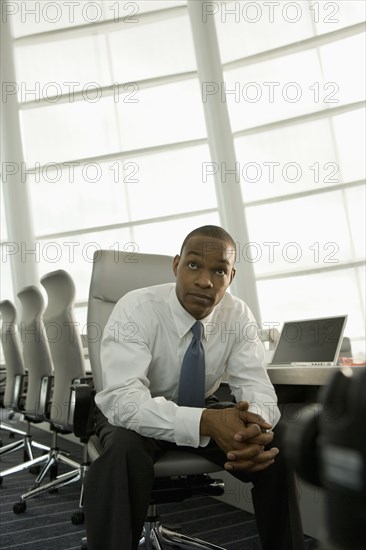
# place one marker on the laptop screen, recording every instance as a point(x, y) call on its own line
point(312, 340)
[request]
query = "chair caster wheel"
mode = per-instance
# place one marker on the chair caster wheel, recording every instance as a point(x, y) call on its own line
point(77, 518)
point(19, 508)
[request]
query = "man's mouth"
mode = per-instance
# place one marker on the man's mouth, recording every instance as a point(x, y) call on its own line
point(202, 298)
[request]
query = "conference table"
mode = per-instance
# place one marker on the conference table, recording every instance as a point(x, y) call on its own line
point(296, 384)
point(308, 376)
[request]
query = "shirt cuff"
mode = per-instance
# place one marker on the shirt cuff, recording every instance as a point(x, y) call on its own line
point(187, 427)
point(270, 413)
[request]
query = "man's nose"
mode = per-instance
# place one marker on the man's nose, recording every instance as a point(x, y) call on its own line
point(204, 279)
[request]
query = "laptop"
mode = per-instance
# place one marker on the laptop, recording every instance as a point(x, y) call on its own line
point(310, 342)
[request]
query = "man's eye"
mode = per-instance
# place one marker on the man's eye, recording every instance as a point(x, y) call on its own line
point(192, 265)
point(221, 272)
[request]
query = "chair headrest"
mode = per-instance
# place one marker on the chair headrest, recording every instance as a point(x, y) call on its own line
point(32, 303)
point(60, 289)
point(114, 274)
point(8, 311)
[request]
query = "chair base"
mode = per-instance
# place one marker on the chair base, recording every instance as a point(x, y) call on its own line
point(52, 457)
point(11, 430)
point(26, 444)
point(157, 537)
point(76, 475)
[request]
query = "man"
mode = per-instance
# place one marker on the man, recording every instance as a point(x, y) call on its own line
point(142, 408)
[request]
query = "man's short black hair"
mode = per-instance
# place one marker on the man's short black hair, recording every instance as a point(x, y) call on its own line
point(213, 231)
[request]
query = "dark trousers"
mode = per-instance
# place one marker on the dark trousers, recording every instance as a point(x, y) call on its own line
point(118, 488)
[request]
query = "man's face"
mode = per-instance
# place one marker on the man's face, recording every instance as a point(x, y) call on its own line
point(203, 271)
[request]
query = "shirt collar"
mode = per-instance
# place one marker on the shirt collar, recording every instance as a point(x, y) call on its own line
point(183, 320)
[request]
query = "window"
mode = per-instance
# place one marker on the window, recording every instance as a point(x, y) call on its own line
point(295, 81)
point(114, 140)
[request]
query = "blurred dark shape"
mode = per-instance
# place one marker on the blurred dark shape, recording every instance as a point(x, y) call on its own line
point(327, 448)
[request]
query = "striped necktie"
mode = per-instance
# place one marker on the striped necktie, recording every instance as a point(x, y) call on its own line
point(191, 391)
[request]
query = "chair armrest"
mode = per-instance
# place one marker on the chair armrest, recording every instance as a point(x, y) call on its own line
point(45, 397)
point(20, 390)
point(88, 379)
point(2, 384)
point(81, 411)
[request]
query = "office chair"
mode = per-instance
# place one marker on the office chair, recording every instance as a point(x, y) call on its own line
point(14, 366)
point(38, 363)
point(63, 344)
point(16, 379)
point(115, 274)
point(15, 382)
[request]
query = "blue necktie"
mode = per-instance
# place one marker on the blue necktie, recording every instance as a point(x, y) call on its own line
point(191, 391)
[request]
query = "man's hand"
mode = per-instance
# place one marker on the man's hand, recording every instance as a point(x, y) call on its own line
point(242, 435)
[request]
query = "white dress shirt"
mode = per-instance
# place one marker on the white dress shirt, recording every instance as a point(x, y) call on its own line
point(142, 351)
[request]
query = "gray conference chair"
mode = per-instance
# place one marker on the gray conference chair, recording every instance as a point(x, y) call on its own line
point(37, 360)
point(63, 343)
point(115, 274)
point(15, 383)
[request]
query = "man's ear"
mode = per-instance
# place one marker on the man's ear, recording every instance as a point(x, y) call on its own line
point(176, 263)
point(232, 275)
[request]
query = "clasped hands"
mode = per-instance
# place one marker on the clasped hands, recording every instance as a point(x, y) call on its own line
point(242, 435)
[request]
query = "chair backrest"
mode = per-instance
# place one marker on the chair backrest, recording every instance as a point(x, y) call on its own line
point(10, 340)
point(64, 341)
point(36, 351)
point(114, 274)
